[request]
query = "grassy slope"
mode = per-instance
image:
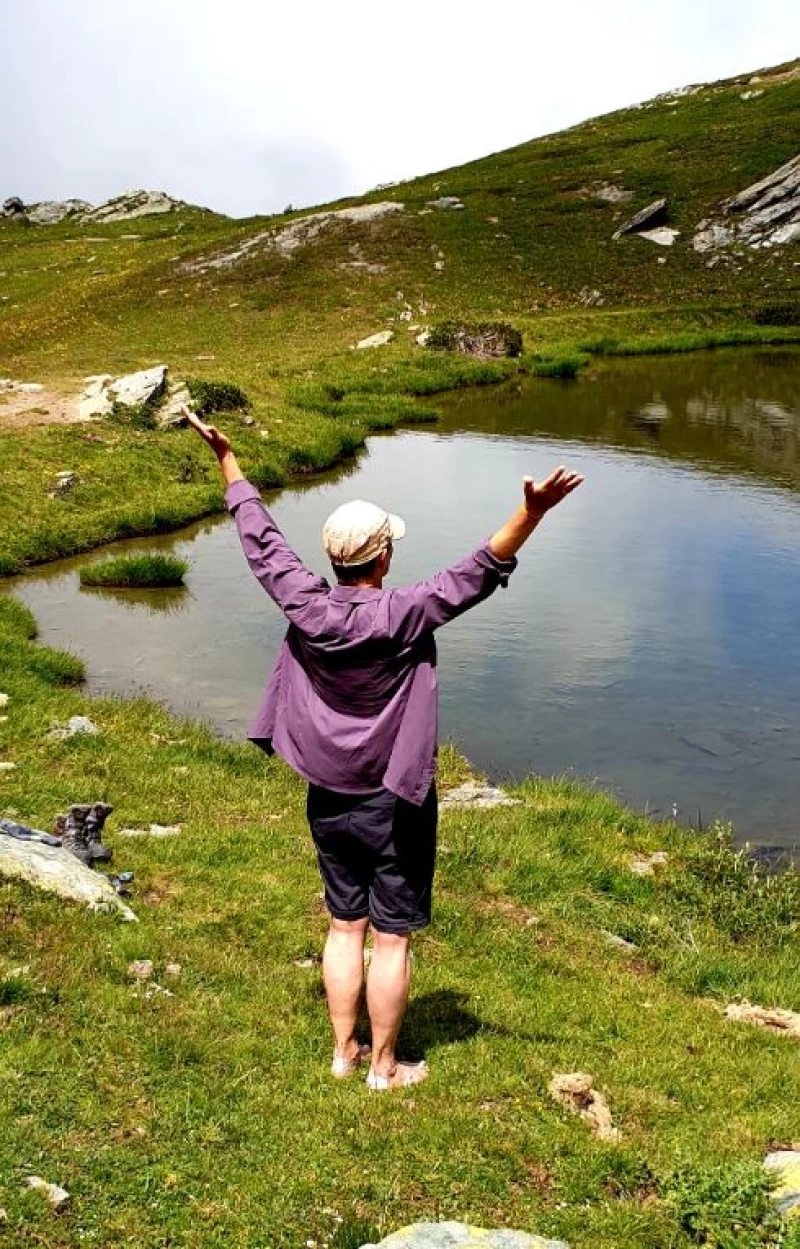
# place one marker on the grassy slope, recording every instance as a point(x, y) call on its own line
point(207, 1118)
point(77, 304)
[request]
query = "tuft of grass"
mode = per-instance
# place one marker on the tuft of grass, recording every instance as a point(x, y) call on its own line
point(726, 1206)
point(135, 571)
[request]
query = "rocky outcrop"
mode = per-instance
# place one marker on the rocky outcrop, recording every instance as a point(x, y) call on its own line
point(57, 871)
point(124, 207)
point(452, 1235)
point(103, 392)
point(297, 233)
point(653, 215)
point(764, 214)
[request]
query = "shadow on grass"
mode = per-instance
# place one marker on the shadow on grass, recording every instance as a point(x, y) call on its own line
point(441, 1018)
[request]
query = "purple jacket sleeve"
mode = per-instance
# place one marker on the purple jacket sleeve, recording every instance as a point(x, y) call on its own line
point(415, 609)
point(280, 570)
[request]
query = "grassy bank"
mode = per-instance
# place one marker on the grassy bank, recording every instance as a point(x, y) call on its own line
point(206, 1116)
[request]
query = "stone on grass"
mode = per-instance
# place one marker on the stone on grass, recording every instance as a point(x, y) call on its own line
point(173, 969)
point(56, 1196)
point(141, 969)
point(153, 830)
point(134, 389)
point(774, 1019)
point(574, 1090)
point(7, 766)
point(55, 870)
point(473, 794)
point(178, 398)
point(646, 864)
point(65, 480)
point(646, 218)
point(445, 201)
point(74, 727)
point(785, 1164)
point(95, 400)
point(613, 938)
point(376, 340)
point(665, 236)
point(3, 700)
point(452, 1235)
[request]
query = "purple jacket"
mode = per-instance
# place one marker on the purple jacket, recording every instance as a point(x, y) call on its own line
point(352, 701)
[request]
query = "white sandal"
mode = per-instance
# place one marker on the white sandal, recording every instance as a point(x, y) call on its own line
point(343, 1067)
point(409, 1074)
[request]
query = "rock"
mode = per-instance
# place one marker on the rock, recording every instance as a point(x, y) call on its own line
point(422, 339)
point(4, 699)
point(50, 212)
point(131, 204)
point(59, 872)
point(663, 235)
point(646, 864)
point(73, 727)
point(473, 794)
point(376, 340)
point(102, 391)
point(773, 1018)
point(172, 413)
point(57, 1197)
point(445, 201)
point(590, 298)
point(452, 1235)
point(29, 388)
point(609, 193)
point(574, 1090)
point(297, 233)
point(750, 95)
point(6, 766)
point(12, 207)
point(173, 970)
point(141, 969)
point(764, 214)
point(650, 216)
point(612, 938)
point(155, 830)
point(785, 1163)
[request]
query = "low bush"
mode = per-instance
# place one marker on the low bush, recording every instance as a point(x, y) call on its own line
point(135, 571)
point(778, 314)
point(215, 396)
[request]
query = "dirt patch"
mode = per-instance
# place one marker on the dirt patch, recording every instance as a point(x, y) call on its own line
point(21, 410)
point(574, 1090)
point(774, 1019)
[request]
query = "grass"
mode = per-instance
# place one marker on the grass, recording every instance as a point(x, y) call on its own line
point(130, 571)
point(207, 1118)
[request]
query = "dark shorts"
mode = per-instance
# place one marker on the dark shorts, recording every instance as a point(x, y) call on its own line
point(376, 855)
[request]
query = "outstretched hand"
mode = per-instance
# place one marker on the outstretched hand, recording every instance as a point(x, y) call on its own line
point(216, 440)
point(541, 497)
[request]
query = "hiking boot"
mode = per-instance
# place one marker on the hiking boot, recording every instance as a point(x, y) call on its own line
point(98, 814)
point(74, 838)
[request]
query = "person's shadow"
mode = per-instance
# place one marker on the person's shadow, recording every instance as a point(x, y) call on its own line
point(442, 1017)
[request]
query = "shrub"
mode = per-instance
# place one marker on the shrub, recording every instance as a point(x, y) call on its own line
point(778, 314)
point(135, 571)
point(484, 339)
point(215, 396)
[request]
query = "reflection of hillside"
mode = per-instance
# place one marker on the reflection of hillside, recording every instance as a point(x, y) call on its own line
point(166, 601)
point(725, 412)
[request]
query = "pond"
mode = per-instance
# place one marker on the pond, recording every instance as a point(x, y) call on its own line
point(649, 640)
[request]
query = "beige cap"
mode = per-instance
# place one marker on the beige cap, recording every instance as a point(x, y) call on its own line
point(356, 532)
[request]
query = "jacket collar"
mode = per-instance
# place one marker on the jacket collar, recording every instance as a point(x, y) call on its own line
point(355, 593)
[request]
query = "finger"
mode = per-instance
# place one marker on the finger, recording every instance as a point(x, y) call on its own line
point(554, 478)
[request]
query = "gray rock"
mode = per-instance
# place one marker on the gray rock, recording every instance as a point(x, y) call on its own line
point(65, 480)
point(613, 938)
point(445, 201)
point(610, 193)
point(131, 204)
point(590, 298)
point(4, 700)
point(154, 830)
point(473, 794)
point(652, 215)
point(75, 726)
point(50, 212)
point(453, 1235)
point(12, 207)
point(785, 1165)
point(138, 388)
point(764, 214)
point(56, 1196)
point(172, 413)
point(663, 235)
point(57, 871)
point(376, 340)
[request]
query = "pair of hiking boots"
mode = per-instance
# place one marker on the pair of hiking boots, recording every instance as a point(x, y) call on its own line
point(81, 832)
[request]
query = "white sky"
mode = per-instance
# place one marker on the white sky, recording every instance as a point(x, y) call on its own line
point(247, 105)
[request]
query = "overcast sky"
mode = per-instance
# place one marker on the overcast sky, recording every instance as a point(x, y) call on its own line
point(247, 105)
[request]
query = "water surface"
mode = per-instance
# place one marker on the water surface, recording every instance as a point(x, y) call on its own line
point(649, 640)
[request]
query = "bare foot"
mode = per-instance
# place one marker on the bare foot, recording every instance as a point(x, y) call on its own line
point(400, 1076)
point(341, 1066)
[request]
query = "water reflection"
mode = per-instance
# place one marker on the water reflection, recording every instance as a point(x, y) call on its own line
point(167, 600)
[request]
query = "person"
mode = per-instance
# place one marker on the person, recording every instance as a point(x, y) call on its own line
point(352, 707)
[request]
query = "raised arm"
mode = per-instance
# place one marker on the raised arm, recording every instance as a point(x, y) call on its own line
point(432, 603)
point(279, 569)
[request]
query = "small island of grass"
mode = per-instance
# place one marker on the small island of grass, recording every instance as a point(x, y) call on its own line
point(127, 572)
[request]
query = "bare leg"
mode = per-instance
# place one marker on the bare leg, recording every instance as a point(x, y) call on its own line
point(343, 973)
point(388, 982)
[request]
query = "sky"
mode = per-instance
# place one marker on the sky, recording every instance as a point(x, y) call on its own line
point(246, 106)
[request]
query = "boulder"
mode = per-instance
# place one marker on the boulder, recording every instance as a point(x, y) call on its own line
point(764, 214)
point(50, 212)
point(445, 201)
point(56, 1196)
point(376, 340)
point(129, 205)
point(102, 391)
point(452, 1235)
point(663, 235)
point(178, 398)
point(57, 871)
point(12, 207)
point(785, 1166)
point(574, 1090)
point(650, 216)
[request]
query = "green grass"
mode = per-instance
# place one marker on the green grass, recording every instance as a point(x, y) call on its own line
point(130, 571)
point(207, 1118)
